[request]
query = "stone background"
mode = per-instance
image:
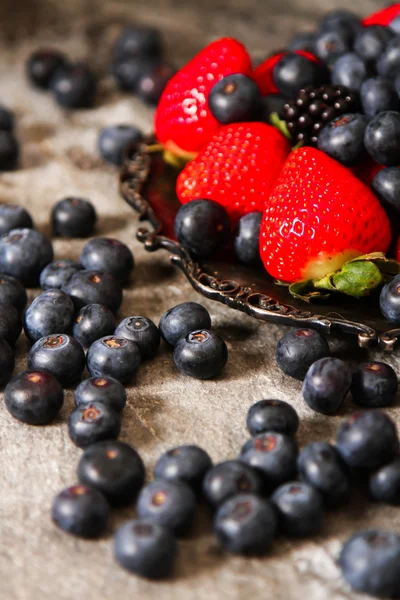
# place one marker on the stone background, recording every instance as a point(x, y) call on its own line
point(37, 561)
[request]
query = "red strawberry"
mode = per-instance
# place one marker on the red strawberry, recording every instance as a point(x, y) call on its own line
point(383, 17)
point(318, 217)
point(183, 119)
point(238, 168)
point(263, 74)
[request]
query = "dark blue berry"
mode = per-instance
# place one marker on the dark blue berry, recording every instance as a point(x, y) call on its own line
point(378, 95)
point(246, 524)
point(384, 483)
point(272, 415)
point(34, 397)
point(382, 138)
point(395, 25)
point(343, 138)
point(231, 478)
point(115, 357)
point(235, 98)
point(6, 119)
point(388, 64)
point(81, 510)
point(51, 312)
point(349, 70)
point(170, 504)
point(273, 103)
point(300, 509)
point(386, 185)
point(128, 71)
point(24, 253)
point(94, 287)
point(374, 385)
point(139, 42)
point(143, 332)
point(184, 463)
point(93, 322)
point(246, 240)
point(101, 389)
point(114, 468)
point(10, 323)
point(152, 81)
point(114, 141)
point(74, 86)
point(7, 361)
point(215, 227)
point(9, 151)
point(94, 422)
point(302, 41)
point(341, 19)
point(58, 273)
point(180, 320)
point(146, 549)
point(274, 455)
point(60, 354)
point(294, 72)
point(332, 43)
point(73, 217)
point(13, 216)
point(390, 301)
point(321, 466)
point(326, 385)
point(371, 42)
point(298, 349)
point(369, 562)
point(42, 65)
point(367, 439)
point(201, 354)
point(110, 255)
point(12, 292)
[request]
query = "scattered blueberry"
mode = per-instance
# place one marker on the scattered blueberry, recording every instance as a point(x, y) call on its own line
point(298, 349)
point(34, 397)
point(128, 71)
point(115, 140)
point(326, 385)
point(180, 320)
point(294, 72)
point(114, 468)
point(51, 312)
point(6, 119)
point(388, 64)
point(115, 357)
point(42, 65)
point(214, 232)
point(101, 389)
point(152, 81)
point(74, 86)
point(349, 70)
point(371, 42)
point(230, 478)
point(81, 510)
point(184, 463)
point(374, 385)
point(94, 287)
point(246, 240)
point(390, 300)
point(201, 354)
point(24, 253)
point(60, 354)
point(94, 422)
point(143, 332)
point(110, 255)
point(386, 185)
point(10, 323)
point(382, 138)
point(73, 217)
point(378, 95)
point(272, 415)
point(329, 45)
point(7, 361)
point(138, 42)
point(343, 138)
point(12, 292)
point(384, 483)
point(235, 98)
point(300, 509)
point(58, 273)
point(13, 216)
point(93, 322)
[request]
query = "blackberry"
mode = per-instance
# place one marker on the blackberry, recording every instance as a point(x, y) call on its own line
point(313, 108)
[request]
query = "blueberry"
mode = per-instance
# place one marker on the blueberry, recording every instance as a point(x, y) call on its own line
point(298, 349)
point(94, 287)
point(326, 385)
point(128, 71)
point(60, 354)
point(382, 138)
point(94, 422)
point(300, 509)
point(302, 41)
point(184, 463)
point(247, 238)
point(146, 549)
point(110, 255)
point(388, 64)
point(81, 510)
point(24, 253)
point(246, 524)
point(321, 466)
point(34, 397)
point(214, 232)
point(378, 95)
point(170, 504)
point(152, 81)
point(367, 439)
point(349, 70)
point(371, 42)
point(101, 389)
point(340, 19)
point(273, 103)
point(74, 86)
point(374, 385)
point(143, 332)
point(274, 455)
point(386, 185)
point(369, 562)
point(6, 119)
point(201, 354)
point(390, 301)
point(51, 312)
point(139, 41)
point(9, 151)
point(272, 415)
point(42, 65)
point(13, 216)
point(115, 357)
point(114, 468)
point(395, 25)
point(293, 72)
point(183, 318)
point(93, 322)
point(343, 138)
point(73, 217)
point(12, 292)
point(10, 323)
point(58, 273)
point(231, 478)
point(235, 98)
point(384, 483)
point(114, 141)
point(332, 43)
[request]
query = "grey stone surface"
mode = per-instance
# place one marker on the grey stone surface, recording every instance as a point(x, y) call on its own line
point(37, 561)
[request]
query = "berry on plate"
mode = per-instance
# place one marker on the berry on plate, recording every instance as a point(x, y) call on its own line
point(343, 138)
point(378, 95)
point(235, 98)
point(386, 185)
point(246, 242)
point(350, 70)
point(390, 300)
point(382, 138)
point(264, 74)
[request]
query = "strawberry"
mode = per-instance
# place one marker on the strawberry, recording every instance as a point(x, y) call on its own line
point(263, 74)
point(318, 217)
point(383, 17)
point(183, 119)
point(238, 168)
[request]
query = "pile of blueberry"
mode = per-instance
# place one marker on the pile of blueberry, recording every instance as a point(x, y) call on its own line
point(9, 146)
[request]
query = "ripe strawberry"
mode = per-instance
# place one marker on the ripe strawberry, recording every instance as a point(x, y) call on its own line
point(183, 119)
point(263, 74)
point(383, 17)
point(318, 217)
point(238, 168)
